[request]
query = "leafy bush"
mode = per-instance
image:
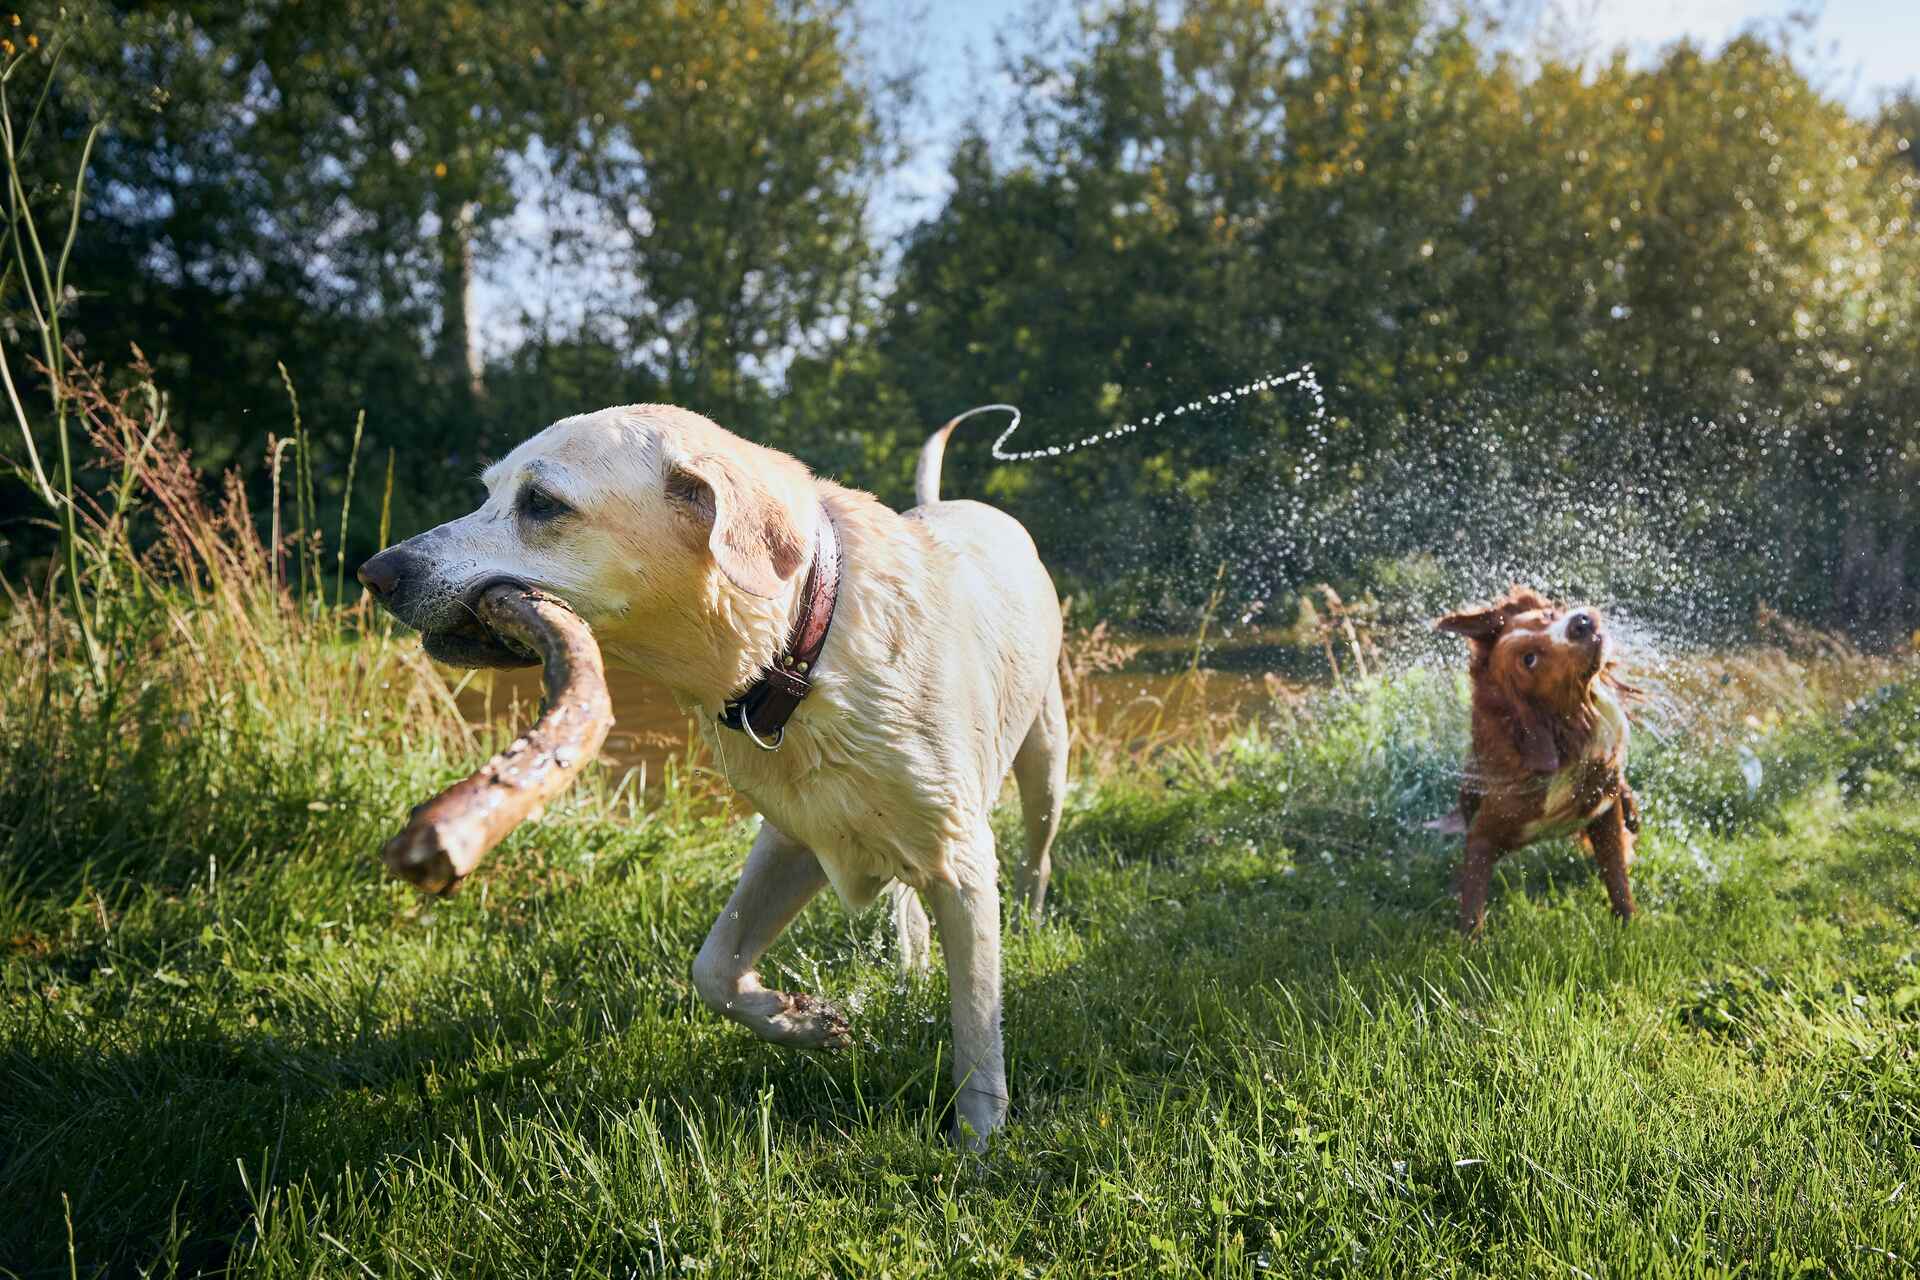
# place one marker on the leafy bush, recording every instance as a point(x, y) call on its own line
point(1881, 755)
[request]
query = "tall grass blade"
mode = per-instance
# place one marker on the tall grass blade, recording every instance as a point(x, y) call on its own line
point(346, 508)
point(44, 305)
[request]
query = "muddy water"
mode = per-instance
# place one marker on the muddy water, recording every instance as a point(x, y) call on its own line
point(649, 730)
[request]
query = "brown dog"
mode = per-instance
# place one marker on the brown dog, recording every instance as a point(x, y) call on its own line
point(1549, 743)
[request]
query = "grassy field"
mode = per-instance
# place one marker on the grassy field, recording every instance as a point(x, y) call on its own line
point(1247, 1041)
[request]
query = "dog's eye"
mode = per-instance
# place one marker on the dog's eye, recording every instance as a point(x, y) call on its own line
point(1530, 661)
point(537, 504)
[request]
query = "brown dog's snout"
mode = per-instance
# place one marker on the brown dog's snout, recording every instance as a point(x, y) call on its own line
point(384, 573)
point(1582, 627)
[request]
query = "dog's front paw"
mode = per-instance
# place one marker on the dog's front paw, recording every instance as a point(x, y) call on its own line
point(808, 1022)
point(977, 1117)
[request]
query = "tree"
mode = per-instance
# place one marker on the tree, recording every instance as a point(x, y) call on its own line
point(285, 180)
point(320, 184)
point(398, 122)
point(727, 148)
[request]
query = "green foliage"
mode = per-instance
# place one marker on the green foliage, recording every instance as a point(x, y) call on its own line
point(327, 186)
point(679, 198)
point(1884, 753)
point(734, 158)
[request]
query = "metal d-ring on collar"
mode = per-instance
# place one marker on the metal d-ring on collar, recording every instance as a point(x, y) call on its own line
point(746, 726)
point(772, 699)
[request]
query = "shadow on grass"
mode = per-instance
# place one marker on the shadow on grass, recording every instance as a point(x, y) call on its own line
point(1173, 936)
point(164, 1125)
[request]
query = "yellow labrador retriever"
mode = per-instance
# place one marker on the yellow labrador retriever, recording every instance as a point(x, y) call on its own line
point(865, 678)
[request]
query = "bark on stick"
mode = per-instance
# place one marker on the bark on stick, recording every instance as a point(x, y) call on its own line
point(448, 835)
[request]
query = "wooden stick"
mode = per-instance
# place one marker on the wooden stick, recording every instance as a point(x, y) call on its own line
point(448, 835)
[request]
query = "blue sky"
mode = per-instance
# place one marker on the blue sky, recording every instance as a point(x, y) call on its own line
point(1863, 46)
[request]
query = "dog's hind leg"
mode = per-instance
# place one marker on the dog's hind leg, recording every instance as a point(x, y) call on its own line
point(1040, 769)
point(781, 876)
point(967, 909)
point(911, 929)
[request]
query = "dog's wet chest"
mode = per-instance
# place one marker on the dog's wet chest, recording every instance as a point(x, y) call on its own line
point(1588, 787)
point(866, 831)
point(867, 823)
point(1576, 796)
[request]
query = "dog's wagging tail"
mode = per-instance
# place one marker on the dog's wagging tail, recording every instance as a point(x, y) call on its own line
point(926, 476)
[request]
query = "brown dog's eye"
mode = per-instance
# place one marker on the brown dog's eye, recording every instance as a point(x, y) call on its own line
point(1530, 661)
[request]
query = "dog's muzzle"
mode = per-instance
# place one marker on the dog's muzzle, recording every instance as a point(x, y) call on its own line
point(402, 582)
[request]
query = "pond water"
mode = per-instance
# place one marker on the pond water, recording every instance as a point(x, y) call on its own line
point(649, 730)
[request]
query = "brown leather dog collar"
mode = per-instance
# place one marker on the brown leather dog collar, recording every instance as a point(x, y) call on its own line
point(762, 709)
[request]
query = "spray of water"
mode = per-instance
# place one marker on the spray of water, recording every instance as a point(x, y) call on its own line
point(1678, 527)
point(1570, 492)
point(1302, 377)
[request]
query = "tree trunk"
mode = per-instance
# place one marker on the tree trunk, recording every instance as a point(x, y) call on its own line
point(459, 353)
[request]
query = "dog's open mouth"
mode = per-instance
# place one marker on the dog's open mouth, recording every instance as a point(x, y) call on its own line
point(469, 642)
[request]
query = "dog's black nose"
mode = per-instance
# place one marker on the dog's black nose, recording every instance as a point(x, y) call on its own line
point(381, 575)
point(1581, 626)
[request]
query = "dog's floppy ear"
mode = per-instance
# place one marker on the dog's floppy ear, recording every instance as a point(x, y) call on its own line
point(754, 536)
point(1482, 622)
point(1481, 625)
point(1485, 622)
point(1533, 737)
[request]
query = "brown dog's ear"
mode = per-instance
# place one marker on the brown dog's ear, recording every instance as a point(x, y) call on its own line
point(1533, 737)
point(753, 535)
point(1484, 624)
point(1486, 621)
point(1475, 622)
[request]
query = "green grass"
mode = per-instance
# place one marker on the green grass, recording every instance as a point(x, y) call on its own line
point(1247, 1041)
